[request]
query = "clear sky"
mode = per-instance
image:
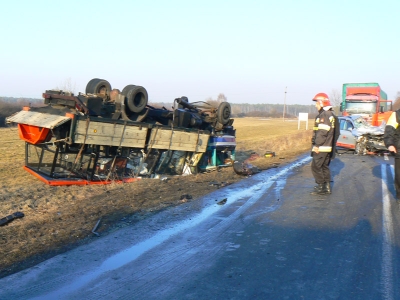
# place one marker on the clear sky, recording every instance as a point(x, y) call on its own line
point(248, 50)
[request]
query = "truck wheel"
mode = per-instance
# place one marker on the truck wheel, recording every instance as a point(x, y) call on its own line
point(95, 86)
point(224, 113)
point(136, 97)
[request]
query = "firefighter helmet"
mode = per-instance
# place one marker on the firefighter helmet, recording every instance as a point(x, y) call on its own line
point(323, 99)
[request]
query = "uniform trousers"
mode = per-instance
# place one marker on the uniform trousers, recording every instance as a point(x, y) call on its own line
point(320, 167)
point(397, 175)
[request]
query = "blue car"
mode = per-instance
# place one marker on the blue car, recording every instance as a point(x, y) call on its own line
point(356, 134)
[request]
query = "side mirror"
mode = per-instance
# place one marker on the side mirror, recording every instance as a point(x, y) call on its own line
point(340, 107)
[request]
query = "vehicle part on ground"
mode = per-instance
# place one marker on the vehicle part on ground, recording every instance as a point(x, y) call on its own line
point(245, 169)
point(106, 135)
point(95, 228)
point(269, 154)
point(223, 201)
point(9, 218)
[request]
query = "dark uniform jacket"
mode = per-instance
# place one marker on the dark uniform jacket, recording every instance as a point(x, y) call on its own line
point(392, 132)
point(325, 127)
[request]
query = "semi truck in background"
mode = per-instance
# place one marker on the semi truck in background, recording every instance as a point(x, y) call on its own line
point(367, 100)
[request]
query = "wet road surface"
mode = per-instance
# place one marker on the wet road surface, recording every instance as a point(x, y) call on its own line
point(270, 240)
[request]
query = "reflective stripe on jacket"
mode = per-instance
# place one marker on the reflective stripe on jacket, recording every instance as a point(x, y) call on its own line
point(324, 128)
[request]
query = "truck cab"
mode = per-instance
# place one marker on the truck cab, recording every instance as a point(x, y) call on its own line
point(367, 100)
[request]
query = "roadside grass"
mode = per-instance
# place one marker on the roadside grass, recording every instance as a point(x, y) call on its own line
point(59, 218)
point(255, 135)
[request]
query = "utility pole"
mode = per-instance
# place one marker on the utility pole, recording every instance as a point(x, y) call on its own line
point(284, 104)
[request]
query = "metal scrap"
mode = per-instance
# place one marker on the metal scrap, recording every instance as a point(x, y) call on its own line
point(218, 184)
point(9, 218)
point(253, 156)
point(95, 227)
point(222, 202)
point(186, 197)
point(245, 168)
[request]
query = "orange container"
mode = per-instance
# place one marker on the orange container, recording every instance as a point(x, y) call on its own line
point(33, 134)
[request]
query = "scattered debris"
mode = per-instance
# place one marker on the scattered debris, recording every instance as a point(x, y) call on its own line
point(219, 184)
point(186, 197)
point(245, 168)
point(269, 154)
point(253, 156)
point(95, 227)
point(11, 217)
point(222, 202)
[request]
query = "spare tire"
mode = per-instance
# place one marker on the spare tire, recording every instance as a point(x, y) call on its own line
point(224, 113)
point(95, 86)
point(136, 97)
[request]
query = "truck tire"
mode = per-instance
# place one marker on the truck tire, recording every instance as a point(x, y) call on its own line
point(96, 84)
point(224, 113)
point(136, 97)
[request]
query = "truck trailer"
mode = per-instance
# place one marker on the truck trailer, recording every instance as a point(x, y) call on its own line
point(366, 99)
point(106, 135)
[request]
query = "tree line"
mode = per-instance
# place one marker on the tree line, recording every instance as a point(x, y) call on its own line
point(11, 105)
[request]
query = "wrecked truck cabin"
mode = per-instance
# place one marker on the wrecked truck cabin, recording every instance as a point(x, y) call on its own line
point(105, 135)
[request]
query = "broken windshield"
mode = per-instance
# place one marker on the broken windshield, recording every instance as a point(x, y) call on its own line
point(360, 122)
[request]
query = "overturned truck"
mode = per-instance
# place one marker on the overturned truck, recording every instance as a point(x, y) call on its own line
point(106, 135)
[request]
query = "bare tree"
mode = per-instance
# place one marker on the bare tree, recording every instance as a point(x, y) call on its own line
point(221, 98)
point(396, 103)
point(67, 86)
point(336, 99)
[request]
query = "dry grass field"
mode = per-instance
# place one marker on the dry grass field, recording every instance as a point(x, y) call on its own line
point(59, 218)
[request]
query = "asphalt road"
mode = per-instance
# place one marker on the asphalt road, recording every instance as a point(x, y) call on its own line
point(270, 239)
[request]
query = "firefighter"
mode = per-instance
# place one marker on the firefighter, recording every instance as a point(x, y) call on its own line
point(325, 133)
point(391, 138)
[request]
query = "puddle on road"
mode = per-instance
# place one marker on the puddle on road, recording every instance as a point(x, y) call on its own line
point(128, 255)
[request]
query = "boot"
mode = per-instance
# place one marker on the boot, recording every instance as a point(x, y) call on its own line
point(320, 189)
point(328, 187)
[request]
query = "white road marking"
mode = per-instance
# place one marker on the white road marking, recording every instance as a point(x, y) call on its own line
point(387, 228)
